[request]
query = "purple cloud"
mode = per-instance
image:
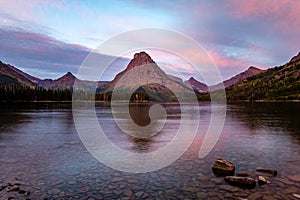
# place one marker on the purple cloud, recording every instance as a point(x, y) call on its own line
point(44, 56)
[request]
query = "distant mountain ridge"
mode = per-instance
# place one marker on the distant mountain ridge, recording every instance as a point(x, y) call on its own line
point(11, 76)
point(278, 83)
point(245, 85)
point(251, 71)
point(295, 58)
point(28, 76)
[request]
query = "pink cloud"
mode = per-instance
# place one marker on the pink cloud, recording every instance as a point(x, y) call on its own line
point(28, 10)
point(223, 61)
point(281, 13)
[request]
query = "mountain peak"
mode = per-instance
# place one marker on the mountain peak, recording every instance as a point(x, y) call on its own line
point(197, 85)
point(253, 70)
point(141, 58)
point(68, 75)
point(192, 79)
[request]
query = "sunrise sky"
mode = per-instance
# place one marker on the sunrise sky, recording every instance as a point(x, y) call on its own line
point(49, 38)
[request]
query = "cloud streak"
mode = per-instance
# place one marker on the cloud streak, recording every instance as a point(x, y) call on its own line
point(44, 56)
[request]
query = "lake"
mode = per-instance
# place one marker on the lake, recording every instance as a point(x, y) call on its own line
point(42, 153)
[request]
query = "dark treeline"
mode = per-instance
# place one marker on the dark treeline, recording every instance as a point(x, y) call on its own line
point(25, 93)
point(17, 93)
point(279, 83)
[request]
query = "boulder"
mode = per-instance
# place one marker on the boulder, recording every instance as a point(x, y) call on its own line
point(223, 167)
point(267, 171)
point(243, 182)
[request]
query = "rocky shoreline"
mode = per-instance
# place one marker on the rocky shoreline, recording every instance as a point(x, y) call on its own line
point(247, 180)
point(251, 185)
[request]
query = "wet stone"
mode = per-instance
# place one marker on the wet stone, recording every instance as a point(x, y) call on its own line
point(268, 197)
point(139, 194)
point(228, 195)
point(203, 178)
point(84, 189)
point(217, 180)
point(13, 189)
point(116, 179)
point(290, 190)
point(132, 181)
point(118, 192)
point(254, 196)
point(262, 180)
point(295, 178)
point(238, 198)
point(245, 174)
point(201, 195)
point(127, 192)
point(3, 187)
point(189, 189)
point(267, 171)
point(21, 191)
point(243, 182)
point(54, 191)
point(296, 195)
point(222, 167)
point(228, 188)
point(285, 181)
point(72, 182)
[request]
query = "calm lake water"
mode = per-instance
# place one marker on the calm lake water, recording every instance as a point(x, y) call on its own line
point(41, 152)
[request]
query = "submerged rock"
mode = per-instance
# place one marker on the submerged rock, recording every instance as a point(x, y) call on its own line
point(245, 174)
point(22, 192)
point(295, 178)
point(237, 198)
point(267, 171)
point(13, 189)
point(3, 187)
point(223, 167)
point(243, 182)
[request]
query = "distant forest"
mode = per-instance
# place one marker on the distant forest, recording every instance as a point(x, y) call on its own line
point(25, 93)
point(18, 93)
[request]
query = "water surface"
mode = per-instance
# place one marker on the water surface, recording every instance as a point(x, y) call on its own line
point(41, 150)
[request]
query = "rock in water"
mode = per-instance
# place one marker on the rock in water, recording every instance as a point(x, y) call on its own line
point(267, 171)
point(262, 180)
point(297, 196)
point(13, 189)
point(223, 167)
point(245, 174)
point(243, 182)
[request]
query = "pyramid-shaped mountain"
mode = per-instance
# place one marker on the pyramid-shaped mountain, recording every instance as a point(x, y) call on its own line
point(197, 85)
point(142, 71)
point(64, 82)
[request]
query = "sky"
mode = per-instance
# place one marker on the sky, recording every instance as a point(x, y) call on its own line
point(51, 37)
